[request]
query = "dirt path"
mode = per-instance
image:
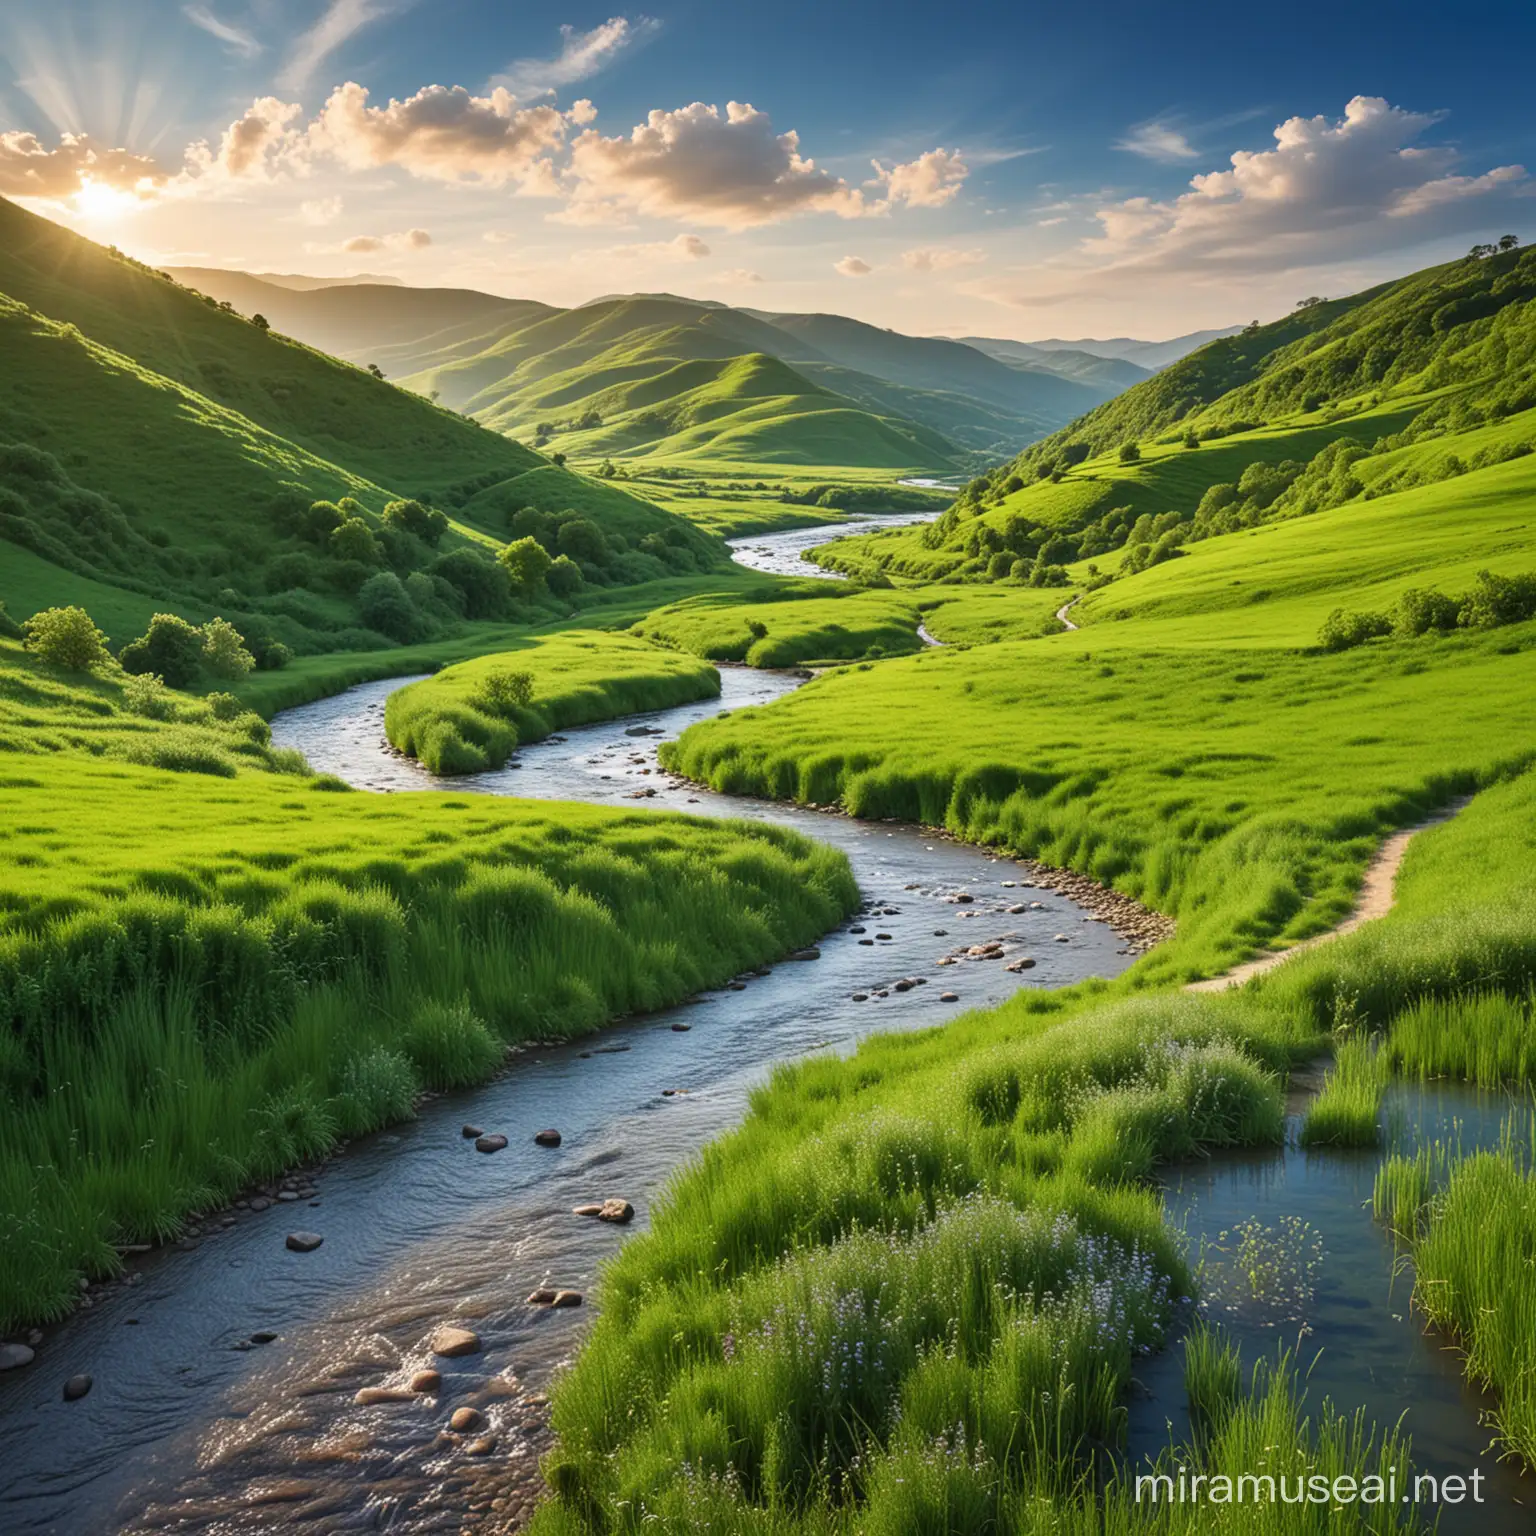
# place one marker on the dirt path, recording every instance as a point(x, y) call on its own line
point(1376, 897)
point(1066, 607)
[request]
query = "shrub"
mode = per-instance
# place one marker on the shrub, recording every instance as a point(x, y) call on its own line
point(147, 695)
point(66, 637)
point(1497, 600)
point(170, 647)
point(1343, 630)
point(504, 692)
point(424, 523)
point(1421, 609)
point(482, 585)
point(354, 540)
point(222, 706)
point(384, 604)
point(526, 563)
point(1130, 453)
point(224, 652)
point(564, 577)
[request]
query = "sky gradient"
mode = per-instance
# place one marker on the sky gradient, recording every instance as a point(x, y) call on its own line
point(1017, 170)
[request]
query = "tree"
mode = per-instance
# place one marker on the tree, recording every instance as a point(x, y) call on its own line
point(424, 523)
point(384, 604)
point(583, 540)
point(558, 460)
point(527, 562)
point(1191, 439)
point(1311, 303)
point(224, 652)
point(354, 540)
point(170, 647)
point(1478, 252)
point(261, 322)
point(1130, 453)
point(564, 577)
point(1509, 242)
point(375, 370)
point(66, 637)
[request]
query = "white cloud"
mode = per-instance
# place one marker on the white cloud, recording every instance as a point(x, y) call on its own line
point(321, 210)
point(1328, 190)
point(405, 240)
point(940, 259)
point(342, 19)
point(256, 143)
point(236, 39)
point(930, 181)
point(441, 134)
point(852, 266)
point(28, 168)
point(1158, 141)
point(1051, 223)
point(738, 275)
point(731, 171)
point(581, 54)
point(679, 248)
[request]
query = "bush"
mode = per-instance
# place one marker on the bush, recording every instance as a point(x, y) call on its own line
point(384, 604)
point(482, 585)
point(424, 523)
point(170, 647)
point(222, 706)
point(66, 637)
point(224, 652)
point(1421, 609)
point(564, 577)
point(9, 628)
point(147, 695)
point(1497, 600)
point(1342, 630)
point(1130, 453)
point(354, 540)
point(504, 692)
point(526, 563)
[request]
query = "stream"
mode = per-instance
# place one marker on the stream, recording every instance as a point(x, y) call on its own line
point(190, 1427)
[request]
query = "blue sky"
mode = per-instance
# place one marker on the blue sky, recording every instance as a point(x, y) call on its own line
point(1020, 170)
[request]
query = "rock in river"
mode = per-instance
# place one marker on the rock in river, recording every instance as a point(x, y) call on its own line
point(14, 1356)
point(618, 1211)
point(451, 1341)
point(466, 1419)
point(427, 1381)
point(490, 1143)
point(76, 1388)
point(304, 1242)
point(566, 1299)
point(547, 1138)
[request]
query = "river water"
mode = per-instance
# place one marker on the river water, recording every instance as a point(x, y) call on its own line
point(188, 1428)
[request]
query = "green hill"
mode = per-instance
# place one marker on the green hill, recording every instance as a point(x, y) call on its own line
point(1412, 383)
point(154, 443)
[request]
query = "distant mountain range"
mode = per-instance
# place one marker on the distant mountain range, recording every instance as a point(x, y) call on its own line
point(663, 377)
point(1151, 355)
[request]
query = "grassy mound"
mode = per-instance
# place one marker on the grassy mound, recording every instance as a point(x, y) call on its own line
point(471, 716)
point(798, 624)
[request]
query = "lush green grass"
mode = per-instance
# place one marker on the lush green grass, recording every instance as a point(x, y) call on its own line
point(1345, 1113)
point(1242, 793)
point(1486, 1037)
point(455, 724)
point(1471, 1224)
point(204, 980)
point(792, 623)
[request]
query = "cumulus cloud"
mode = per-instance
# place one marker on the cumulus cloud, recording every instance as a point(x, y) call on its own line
point(1328, 190)
point(852, 266)
point(939, 259)
point(738, 275)
point(441, 133)
point(732, 171)
point(257, 142)
point(405, 240)
point(1158, 141)
point(679, 248)
point(29, 168)
point(235, 39)
point(930, 181)
point(581, 54)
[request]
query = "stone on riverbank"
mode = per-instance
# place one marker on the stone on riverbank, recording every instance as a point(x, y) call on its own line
point(451, 1342)
point(304, 1242)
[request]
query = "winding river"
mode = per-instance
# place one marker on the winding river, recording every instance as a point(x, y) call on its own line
point(192, 1427)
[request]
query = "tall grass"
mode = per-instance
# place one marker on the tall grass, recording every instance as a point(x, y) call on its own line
point(1345, 1113)
point(1471, 1223)
point(179, 1017)
point(1483, 1037)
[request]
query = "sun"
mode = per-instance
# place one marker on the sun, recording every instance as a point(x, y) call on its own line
point(97, 202)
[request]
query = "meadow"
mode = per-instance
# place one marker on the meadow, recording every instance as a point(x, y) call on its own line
point(472, 716)
point(213, 965)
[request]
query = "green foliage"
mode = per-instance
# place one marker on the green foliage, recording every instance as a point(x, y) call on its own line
point(1345, 1113)
point(224, 652)
point(410, 516)
point(471, 716)
point(65, 637)
point(1342, 631)
point(171, 648)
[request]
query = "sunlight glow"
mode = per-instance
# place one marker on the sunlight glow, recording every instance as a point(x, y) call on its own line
point(99, 203)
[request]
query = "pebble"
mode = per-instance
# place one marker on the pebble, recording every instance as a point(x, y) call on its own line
point(1061, 938)
point(14, 1356)
point(304, 1242)
point(466, 1419)
point(368, 1397)
point(260, 1203)
point(949, 997)
point(858, 930)
point(451, 1341)
point(681, 1029)
point(807, 954)
point(885, 936)
point(427, 1381)
point(288, 1196)
point(541, 1297)
point(566, 1299)
point(263, 1337)
point(1023, 963)
point(76, 1388)
point(592, 1207)
point(618, 1211)
point(470, 1132)
point(550, 1138)
point(490, 1143)
point(861, 997)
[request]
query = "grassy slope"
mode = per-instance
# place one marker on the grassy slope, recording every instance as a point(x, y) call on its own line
point(807, 623)
point(577, 676)
point(291, 964)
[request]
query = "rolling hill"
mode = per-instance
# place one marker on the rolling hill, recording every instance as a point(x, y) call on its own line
point(157, 446)
point(516, 364)
point(1414, 383)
